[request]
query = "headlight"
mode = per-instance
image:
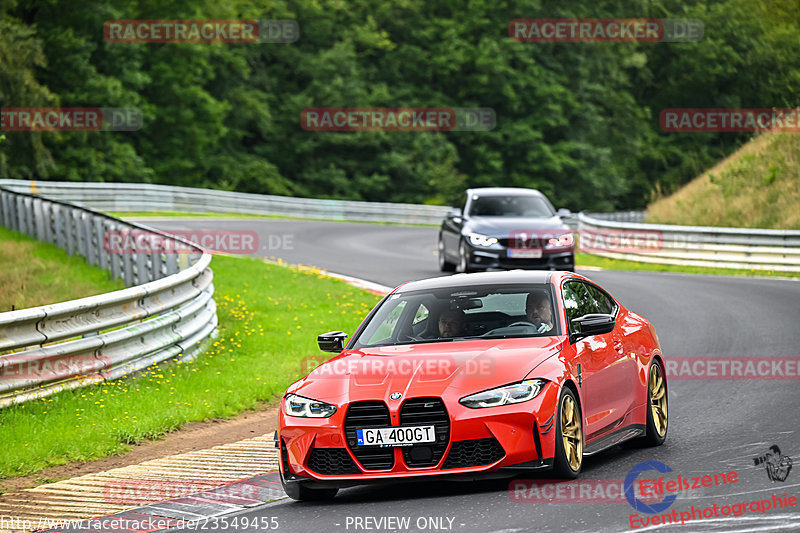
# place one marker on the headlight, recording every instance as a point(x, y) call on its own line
point(520, 392)
point(481, 240)
point(562, 241)
point(298, 406)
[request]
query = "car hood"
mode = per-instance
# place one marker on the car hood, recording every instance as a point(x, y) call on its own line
point(501, 227)
point(425, 369)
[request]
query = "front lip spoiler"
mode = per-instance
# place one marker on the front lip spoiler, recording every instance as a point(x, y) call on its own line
point(529, 466)
point(500, 473)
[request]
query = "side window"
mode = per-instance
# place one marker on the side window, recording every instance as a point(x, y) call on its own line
point(603, 303)
point(579, 300)
point(387, 327)
point(572, 305)
point(421, 314)
point(585, 300)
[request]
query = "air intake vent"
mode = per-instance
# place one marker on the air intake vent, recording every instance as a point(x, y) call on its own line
point(476, 452)
point(361, 415)
point(425, 412)
point(331, 462)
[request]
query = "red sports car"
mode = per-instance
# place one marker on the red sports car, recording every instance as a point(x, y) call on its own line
point(470, 375)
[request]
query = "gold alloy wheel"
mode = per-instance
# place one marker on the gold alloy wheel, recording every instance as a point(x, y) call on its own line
point(571, 433)
point(658, 399)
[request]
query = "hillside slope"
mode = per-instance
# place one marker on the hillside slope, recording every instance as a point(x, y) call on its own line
point(758, 186)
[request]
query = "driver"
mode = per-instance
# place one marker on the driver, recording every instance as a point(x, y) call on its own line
point(539, 311)
point(452, 323)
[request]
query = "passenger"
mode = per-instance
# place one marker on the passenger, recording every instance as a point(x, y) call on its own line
point(452, 323)
point(539, 311)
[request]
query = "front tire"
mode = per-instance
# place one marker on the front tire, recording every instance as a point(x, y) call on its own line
point(301, 493)
point(568, 458)
point(444, 264)
point(657, 408)
point(463, 259)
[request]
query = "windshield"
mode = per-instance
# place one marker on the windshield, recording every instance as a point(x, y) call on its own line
point(509, 206)
point(459, 313)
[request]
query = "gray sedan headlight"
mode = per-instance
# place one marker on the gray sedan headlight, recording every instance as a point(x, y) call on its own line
point(481, 240)
point(306, 407)
point(562, 241)
point(517, 393)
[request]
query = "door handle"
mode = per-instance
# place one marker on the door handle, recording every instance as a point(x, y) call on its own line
point(618, 347)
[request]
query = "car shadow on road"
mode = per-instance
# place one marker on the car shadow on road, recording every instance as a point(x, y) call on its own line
point(431, 489)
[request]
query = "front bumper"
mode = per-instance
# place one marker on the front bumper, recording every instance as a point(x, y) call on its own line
point(479, 443)
point(499, 258)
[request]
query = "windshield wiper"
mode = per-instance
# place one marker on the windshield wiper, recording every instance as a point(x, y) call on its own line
point(421, 341)
point(502, 336)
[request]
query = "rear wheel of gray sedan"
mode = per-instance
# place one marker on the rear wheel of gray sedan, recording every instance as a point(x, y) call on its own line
point(444, 264)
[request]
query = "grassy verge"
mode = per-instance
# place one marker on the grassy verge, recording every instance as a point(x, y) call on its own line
point(34, 273)
point(605, 263)
point(758, 186)
point(269, 319)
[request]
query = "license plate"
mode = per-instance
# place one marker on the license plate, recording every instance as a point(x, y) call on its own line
point(399, 436)
point(525, 254)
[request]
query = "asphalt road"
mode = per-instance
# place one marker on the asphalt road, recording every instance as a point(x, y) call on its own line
point(716, 426)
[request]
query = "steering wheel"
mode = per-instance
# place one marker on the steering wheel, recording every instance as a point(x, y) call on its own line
point(522, 323)
point(405, 337)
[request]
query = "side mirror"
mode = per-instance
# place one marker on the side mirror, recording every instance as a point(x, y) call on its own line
point(332, 341)
point(455, 215)
point(592, 324)
point(564, 213)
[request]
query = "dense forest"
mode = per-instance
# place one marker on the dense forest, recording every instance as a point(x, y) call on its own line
point(579, 121)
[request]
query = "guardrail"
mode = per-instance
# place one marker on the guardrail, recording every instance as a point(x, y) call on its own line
point(167, 312)
point(143, 197)
point(680, 245)
point(749, 249)
point(620, 216)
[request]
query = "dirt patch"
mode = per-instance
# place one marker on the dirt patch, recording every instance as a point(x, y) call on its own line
point(193, 436)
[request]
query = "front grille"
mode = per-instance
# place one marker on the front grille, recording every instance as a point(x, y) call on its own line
point(476, 452)
point(372, 414)
point(512, 263)
point(331, 462)
point(426, 412)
